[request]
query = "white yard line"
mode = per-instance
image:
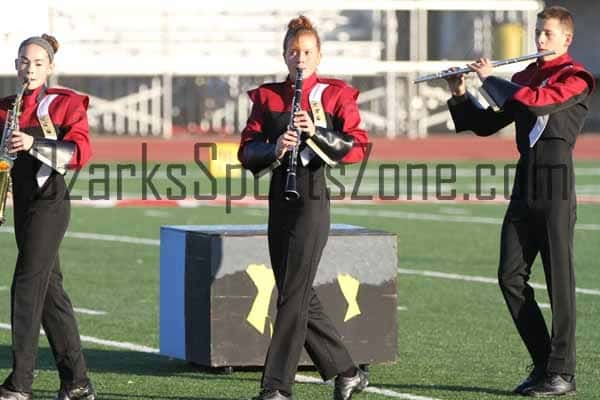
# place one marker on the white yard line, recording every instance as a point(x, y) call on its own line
point(76, 309)
point(299, 378)
point(402, 308)
point(108, 343)
point(119, 345)
point(113, 238)
point(88, 311)
point(480, 279)
point(369, 389)
point(102, 237)
point(362, 212)
point(355, 212)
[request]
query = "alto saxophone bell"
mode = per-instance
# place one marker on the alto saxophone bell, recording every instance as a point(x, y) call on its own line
point(6, 158)
point(4, 186)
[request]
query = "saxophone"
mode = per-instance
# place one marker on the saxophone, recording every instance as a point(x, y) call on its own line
point(7, 159)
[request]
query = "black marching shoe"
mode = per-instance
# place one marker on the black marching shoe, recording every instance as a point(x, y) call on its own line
point(535, 376)
point(271, 394)
point(85, 392)
point(552, 385)
point(8, 394)
point(345, 387)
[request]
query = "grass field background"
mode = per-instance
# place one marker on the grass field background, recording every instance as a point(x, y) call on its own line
point(455, 341)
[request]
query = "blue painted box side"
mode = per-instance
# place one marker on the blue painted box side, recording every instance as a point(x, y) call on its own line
point(172, 293)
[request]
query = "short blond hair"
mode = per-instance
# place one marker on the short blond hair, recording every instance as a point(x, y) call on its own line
point(561, 14)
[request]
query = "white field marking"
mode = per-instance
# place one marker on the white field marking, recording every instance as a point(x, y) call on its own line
point(299, 378)
point(103, 342)
point(453, 211)
point(481, 279)
point(460, 172)
point(88, 311)
point(587, 227)
point(435, 217)
point(157, 213)
point(102, 237)
point(544, 305)
point(402, 308)
point(120, 345)
point(259, 212)
point(335, 210)
point(370, 389)
point(414, 215)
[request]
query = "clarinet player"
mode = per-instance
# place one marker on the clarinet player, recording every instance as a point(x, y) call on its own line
point(298, 229)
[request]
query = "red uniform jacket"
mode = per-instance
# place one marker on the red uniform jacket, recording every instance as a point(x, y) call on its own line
point(271, 112)
point(68, 114)
point(552, 102)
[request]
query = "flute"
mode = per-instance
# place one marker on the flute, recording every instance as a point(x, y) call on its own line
point(464, 70)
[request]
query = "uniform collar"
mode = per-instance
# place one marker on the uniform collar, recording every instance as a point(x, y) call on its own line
point(307, 83)
point(31, 97)
point(564, 59)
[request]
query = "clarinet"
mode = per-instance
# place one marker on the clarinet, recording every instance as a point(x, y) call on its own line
point(291, 192)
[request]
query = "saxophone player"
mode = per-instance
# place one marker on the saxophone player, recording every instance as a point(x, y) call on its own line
point(298, 229)
point(53, 137)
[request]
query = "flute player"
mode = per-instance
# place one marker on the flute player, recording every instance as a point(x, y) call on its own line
point(548, 101)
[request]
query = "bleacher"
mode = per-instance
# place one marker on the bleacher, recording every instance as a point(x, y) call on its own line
point(176, 39)
point(185, 66)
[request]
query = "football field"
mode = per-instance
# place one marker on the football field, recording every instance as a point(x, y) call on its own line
point(456, 339)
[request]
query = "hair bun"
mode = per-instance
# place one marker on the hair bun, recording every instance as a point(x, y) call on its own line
point(52, 41)
point(301, 22)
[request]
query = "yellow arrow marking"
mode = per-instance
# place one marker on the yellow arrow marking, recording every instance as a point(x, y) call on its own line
point(349, 287)
point(264, 280)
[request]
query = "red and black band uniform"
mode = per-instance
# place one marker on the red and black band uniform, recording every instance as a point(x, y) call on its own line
point(298, 230)
point(548, 101)
point(41, 216)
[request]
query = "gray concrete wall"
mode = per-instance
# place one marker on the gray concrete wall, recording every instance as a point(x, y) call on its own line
point(585, 46)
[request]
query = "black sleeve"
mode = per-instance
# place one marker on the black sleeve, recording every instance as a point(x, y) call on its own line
point(469, 115)
point(334, 144)
point(257, 155)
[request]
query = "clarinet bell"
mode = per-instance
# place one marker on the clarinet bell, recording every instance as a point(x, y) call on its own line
point(291, 193)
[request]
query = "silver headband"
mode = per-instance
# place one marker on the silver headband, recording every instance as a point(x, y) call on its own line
point(43, 43)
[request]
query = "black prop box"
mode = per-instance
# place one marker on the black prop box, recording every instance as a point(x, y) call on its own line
point(218, 294)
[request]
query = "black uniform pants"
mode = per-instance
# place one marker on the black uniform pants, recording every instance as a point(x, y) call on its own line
point(38, 298)
point(548, 231)
point(297, 237)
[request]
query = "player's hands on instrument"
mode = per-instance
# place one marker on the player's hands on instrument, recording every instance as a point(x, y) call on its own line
point(303, 121)
point(20, 141)
point(285, 142)
point(483, 67)
point(456, 83)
